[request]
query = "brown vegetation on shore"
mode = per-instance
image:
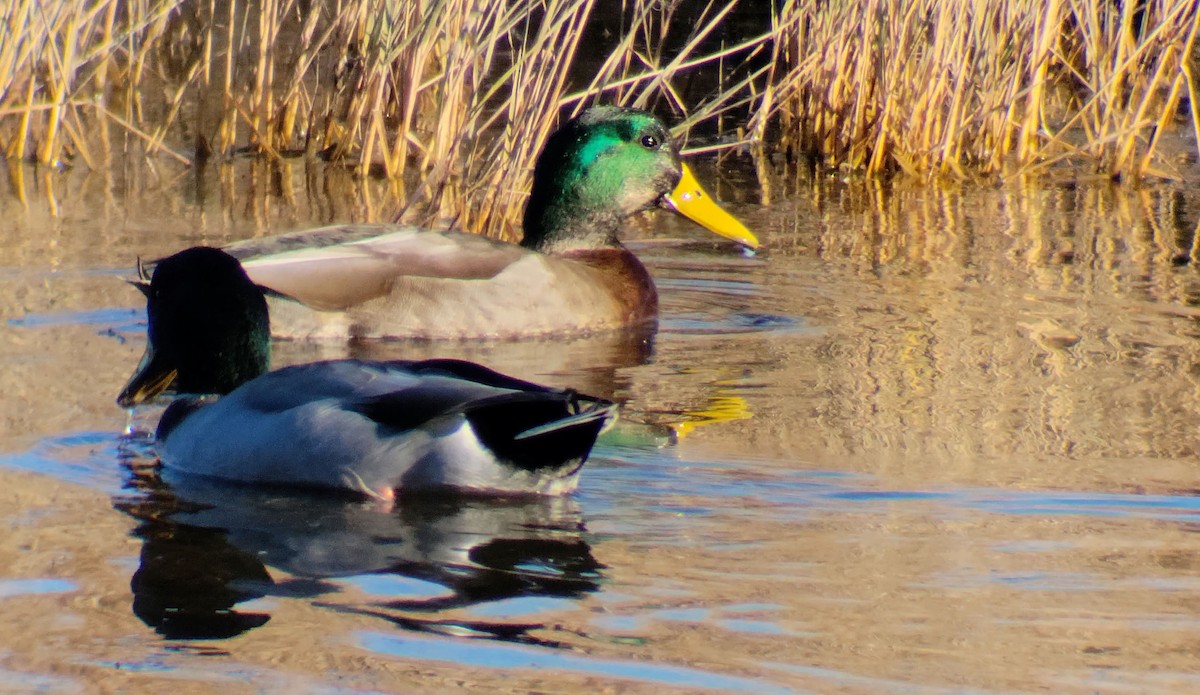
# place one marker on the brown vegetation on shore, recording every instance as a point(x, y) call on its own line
point(451, 99)
point(955, 87)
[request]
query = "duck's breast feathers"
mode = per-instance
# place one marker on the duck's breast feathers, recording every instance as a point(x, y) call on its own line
point(336, 268)
point(628, 282)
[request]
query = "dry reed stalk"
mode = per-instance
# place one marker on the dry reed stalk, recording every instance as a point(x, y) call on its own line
point(638, 71)
point(453, 96)
point(56, 58)
point(1134, 66)
point(942, 87)
point(527, 94)
point(456, 96)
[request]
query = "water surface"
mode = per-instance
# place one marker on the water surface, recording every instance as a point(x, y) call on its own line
point(931, 439)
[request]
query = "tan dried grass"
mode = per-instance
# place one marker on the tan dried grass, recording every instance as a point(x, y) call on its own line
point(450, 98)
point(956, 87)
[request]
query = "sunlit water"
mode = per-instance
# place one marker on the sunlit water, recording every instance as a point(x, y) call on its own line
point(930, 440)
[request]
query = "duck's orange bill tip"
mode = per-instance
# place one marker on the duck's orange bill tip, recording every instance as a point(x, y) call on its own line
point(693, 202)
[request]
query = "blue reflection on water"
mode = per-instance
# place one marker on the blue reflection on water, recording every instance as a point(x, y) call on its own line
point(86, 458)
point(119, 319)
point(668, 485)
point(524, 606)
point(889, 495)
point(485, 654)
point(760, 627)
point(869, 684)
point(23, 587)
point(394, 586)
point(697, 323)
point(707, 287)
point(18, 682)
point(1097, 504)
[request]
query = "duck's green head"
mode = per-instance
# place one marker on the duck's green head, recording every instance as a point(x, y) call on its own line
point(208, 331)
point(602, 167)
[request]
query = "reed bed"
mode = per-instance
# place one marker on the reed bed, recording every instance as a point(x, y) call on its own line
point(959, 87)
point(451, 99)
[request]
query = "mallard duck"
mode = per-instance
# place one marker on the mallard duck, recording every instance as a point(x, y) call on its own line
point(569, 275)
point(375, 428)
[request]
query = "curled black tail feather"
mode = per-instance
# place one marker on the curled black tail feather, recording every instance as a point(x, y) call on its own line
point(538, 431)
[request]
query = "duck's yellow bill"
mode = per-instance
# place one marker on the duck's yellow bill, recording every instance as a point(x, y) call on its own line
point(148, 380)
point(693, 202)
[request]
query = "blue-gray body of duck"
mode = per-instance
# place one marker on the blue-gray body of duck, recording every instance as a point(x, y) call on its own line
point(376, 427)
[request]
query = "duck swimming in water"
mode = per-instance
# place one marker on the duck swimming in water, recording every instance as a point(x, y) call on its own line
point(569, 276)
point(375, 428)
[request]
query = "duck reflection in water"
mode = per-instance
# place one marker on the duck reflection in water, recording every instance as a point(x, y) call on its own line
point(207, 548)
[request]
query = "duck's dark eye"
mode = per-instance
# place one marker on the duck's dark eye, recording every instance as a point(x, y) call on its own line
point(650, 142)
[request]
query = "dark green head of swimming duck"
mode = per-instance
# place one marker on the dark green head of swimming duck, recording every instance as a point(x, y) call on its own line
point(209, 331)
point(605, 165)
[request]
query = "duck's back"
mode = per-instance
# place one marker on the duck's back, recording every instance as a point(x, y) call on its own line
point(294, 426)
point(388, 282)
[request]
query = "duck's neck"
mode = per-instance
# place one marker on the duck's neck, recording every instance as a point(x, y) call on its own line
point(208, 322)
point(226, 368)
point(216, 355)
point(559, 227)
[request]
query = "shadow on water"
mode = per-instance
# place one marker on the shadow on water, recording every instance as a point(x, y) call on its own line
point(209, 548)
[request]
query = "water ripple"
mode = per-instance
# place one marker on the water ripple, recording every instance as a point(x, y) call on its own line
point(483, 654)
point(118, 319)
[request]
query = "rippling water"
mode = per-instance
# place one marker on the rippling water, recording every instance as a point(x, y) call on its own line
point(930, 440)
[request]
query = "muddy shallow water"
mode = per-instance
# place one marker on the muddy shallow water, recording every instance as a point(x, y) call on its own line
point(932, 439)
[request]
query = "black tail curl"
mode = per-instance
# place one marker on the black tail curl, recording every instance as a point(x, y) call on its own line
point(540, 431)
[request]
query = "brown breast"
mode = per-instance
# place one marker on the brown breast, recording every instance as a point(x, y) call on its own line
point(627, 279)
